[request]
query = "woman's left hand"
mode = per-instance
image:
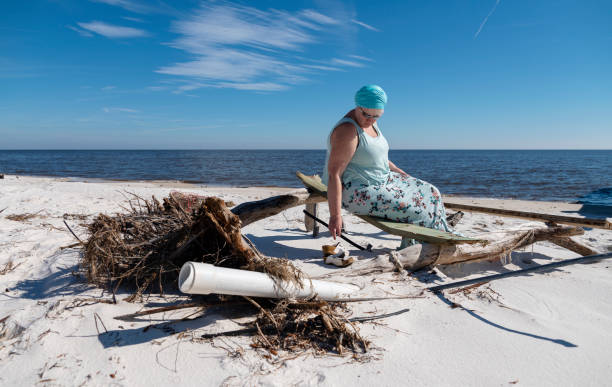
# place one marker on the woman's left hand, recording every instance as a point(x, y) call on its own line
point(394, 168)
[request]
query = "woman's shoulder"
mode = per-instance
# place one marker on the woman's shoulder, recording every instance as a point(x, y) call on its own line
point(344, 131)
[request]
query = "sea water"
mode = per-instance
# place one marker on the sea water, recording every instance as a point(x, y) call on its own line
point(559, 175)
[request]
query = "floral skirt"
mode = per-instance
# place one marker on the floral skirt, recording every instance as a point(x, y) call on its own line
point(400, 198)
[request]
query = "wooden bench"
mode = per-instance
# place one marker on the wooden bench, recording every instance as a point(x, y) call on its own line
point(405, 230)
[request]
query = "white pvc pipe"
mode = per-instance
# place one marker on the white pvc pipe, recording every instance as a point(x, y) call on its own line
point(204, 278)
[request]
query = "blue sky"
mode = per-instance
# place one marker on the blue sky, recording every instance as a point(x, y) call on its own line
point(129, 74)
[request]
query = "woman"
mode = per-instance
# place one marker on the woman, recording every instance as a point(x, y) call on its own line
point(361, 178)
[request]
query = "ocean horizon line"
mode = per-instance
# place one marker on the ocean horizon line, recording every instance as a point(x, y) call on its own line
point(297, 149)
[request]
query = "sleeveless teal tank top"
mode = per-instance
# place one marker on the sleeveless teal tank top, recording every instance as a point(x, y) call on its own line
point(370, 163)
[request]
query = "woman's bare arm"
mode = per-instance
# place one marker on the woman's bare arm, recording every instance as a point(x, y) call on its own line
point(344, 142)
point(395, 168)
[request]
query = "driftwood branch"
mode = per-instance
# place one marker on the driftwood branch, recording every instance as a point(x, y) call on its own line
point(253, 211)
point(562, 219)
point(500, 244)
point(574, 246)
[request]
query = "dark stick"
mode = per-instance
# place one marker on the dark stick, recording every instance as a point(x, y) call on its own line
point(341, 236)
point(567, 262)
point(69, 229)
point(370, 318)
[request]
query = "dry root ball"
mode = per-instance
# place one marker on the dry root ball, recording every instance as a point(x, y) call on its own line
point(148, 245)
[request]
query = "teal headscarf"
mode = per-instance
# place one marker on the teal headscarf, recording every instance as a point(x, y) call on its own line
point(371, 97)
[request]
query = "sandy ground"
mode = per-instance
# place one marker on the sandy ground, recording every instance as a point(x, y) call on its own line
point(552, 328)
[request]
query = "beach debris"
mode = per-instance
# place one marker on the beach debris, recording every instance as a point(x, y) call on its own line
point(68, 216)
point(9, 267)
point(73, 234)
point(284, 328)
point(144, 249)
point(22, 217)
point(501, 244)
point(394, 258)
point(336, 255)
point(329, 249)
point(10, 329)
point(204, 278)
point(455, 218)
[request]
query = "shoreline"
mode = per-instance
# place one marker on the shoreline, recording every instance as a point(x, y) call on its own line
point(187, 185)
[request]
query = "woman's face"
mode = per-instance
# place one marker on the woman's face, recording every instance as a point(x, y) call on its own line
point(367, 117)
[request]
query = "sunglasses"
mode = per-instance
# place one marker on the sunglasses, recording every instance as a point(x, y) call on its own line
point(369, 116)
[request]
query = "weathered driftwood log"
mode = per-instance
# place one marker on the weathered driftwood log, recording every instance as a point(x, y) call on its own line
point(250, 212)
point(501, 244)
point(310, 223)
point(562, 219)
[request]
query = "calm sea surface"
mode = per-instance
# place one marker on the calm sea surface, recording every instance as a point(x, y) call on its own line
point(525, 174)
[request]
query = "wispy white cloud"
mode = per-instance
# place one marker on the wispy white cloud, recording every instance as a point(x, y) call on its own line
point(145, 7)
point(119, 110)
point(113, 31)
point(81, 32)
point(318, 17)
point(363, 58)
point(240, 47)
point(133, 19)
point(349, 63)
point(130, 5)
point(107, 88)
point(322, 67)
point(259, 86)
point(364, 25)
point(486, 18)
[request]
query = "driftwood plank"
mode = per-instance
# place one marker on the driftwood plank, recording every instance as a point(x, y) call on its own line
point(424, 234)
point(408, 230)
point(570, 220)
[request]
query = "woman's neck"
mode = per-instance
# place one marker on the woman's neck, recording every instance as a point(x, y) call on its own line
point(353, 115)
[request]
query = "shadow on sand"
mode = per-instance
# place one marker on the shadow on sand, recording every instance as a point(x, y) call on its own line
point(133, 336)
point(495, 325)
point(63, 281)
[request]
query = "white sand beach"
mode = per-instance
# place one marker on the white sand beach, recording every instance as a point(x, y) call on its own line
point(546, 329)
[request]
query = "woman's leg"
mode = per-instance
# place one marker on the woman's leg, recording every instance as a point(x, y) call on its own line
point(402, 199)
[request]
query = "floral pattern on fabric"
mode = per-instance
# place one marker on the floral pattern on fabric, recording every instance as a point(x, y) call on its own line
point(401, 198)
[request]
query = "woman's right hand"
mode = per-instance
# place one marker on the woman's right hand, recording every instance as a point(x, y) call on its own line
point(335, 225)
